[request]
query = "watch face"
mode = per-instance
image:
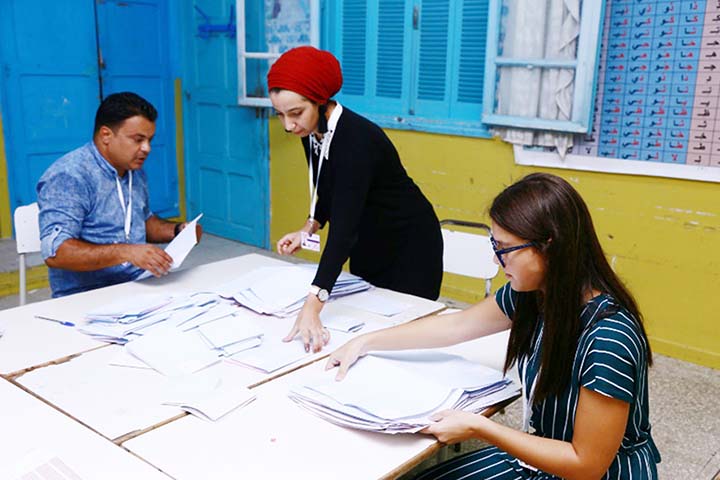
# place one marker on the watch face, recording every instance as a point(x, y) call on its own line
point(323, 295)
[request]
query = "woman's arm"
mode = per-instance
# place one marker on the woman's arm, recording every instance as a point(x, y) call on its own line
point(477, 321)
point(599, 427)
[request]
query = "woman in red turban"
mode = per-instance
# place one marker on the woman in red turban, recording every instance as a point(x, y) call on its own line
point(378, 217)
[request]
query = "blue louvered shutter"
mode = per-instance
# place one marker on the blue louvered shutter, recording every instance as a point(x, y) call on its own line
point(416, 64)
point(434, 65)
point(372, 41)
point(394, 48)
point(451, 60)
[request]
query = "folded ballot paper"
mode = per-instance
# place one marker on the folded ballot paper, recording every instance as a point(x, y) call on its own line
point(209, 394)
point(180, 246)
point(397, 392)
point(281, 291)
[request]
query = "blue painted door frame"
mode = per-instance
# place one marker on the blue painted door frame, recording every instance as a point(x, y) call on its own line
point(226, 145)
point(134, 52)
point(49, 78)
point(52, 84)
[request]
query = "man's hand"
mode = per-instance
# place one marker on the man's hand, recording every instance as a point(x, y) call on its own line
point(198, 229)
point(149, 257)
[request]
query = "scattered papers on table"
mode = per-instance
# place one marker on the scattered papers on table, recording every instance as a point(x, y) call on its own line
point(341, 323)
point(398, 392)
point(115, 323)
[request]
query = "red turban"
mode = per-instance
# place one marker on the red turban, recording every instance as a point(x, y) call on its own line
point(312, 73)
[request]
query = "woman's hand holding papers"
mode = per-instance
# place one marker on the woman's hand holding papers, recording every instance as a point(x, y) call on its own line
point(309, 326)
point(345, 356)
point(453, 426)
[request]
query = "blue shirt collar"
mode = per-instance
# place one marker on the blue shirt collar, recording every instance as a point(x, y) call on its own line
point(101, 161)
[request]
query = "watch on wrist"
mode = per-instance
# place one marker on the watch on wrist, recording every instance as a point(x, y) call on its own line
point(320, 293)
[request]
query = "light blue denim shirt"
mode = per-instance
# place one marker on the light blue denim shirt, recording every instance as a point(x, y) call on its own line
point(78, 198)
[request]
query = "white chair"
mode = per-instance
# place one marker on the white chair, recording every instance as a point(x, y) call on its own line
point(469, 254)
point(27, 236)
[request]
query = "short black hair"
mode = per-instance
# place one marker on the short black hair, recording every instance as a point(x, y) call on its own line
point(118, 107)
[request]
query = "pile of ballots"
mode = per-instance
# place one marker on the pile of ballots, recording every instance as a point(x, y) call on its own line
point(281, 291)
point(397, 392)
point(122, 321)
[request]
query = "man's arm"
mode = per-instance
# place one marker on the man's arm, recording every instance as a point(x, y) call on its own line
point(158, 230)
point(80, 256)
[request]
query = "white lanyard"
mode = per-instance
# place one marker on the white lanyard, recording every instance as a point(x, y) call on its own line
point(528, 399)
point(127, 209)
point(324, 152)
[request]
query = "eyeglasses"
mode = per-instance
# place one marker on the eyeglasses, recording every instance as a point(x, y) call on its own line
point(499, 252)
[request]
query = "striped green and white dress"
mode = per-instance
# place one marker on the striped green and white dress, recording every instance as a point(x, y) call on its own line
point(611, 359)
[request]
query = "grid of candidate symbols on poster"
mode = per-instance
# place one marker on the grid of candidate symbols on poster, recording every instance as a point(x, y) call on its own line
point(659, 84)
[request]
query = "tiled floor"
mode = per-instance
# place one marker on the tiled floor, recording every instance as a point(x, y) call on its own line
point(684, 398)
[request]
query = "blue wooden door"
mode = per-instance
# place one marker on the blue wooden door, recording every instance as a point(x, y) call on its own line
point(134, 56)
point(226, 145)
point(48, 86)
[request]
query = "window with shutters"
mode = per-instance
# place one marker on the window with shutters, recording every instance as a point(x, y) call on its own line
point(411, 64)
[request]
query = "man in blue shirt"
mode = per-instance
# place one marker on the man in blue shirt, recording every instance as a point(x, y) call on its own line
point(95, 222)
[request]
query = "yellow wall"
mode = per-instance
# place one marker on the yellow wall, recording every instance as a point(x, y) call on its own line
point(5, 216)
point(662, 235)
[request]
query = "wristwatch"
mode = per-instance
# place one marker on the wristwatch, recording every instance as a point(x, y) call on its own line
point(320, 293)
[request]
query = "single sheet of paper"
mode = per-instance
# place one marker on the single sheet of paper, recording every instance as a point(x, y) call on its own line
point(179, 248)
point(181, 245)
point(173, 352)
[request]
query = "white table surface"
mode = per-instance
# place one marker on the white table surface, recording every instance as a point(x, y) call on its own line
point(28, 342)
point(272, 437)
point(33, 430)
point(121, 401)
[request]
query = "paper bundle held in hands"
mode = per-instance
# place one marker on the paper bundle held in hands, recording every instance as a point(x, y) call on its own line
point(398, 392)
point(281, 291)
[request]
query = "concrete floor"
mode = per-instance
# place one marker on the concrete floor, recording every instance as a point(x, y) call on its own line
point(684, 398)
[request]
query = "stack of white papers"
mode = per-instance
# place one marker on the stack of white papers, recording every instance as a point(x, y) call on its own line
point(281, 291)
point(398, 392)
point(118, 323)
point(129, 312)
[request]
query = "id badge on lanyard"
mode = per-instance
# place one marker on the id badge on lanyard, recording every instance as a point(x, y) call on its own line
point(312, 241)
point(127, 209)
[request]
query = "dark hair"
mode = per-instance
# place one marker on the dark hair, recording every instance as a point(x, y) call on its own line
point(118, 107)
point(547, 210)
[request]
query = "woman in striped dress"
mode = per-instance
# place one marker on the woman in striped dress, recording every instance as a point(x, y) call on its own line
point(576, 336)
